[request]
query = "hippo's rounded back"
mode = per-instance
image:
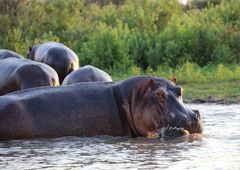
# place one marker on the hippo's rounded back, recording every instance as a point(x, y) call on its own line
point(19, 74)
point(87, 73)
point(61, 58)
point(9, 54)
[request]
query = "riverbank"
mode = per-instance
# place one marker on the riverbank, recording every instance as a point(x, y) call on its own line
point(217, 92)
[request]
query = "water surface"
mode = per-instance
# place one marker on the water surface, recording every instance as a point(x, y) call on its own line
point(218, 148)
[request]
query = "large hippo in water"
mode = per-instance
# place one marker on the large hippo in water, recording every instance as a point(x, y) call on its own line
point(9, 54)
point(138, 106)
point(57, 55)
point(87, 73)
point(18, 74)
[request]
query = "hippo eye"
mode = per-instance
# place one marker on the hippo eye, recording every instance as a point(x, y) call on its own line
point(160, 95)
point(178, 92)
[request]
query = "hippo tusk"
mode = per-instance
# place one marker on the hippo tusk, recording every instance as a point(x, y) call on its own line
point(152, 135)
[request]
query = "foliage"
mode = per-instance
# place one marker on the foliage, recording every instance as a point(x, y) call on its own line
point(145, 34)
point(106, 48)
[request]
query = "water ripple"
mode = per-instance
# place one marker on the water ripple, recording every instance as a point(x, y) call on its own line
point(217, 148)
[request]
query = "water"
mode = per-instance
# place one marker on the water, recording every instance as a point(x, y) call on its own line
point(218, 148)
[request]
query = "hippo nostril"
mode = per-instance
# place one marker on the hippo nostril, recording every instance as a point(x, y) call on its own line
point(194, 118)
point(198, 116)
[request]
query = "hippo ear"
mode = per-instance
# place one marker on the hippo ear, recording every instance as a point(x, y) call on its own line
point(174, 79)
point(160, 95)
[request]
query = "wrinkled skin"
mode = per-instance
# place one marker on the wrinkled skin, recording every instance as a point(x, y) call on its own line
point(134, 107)
point(18, 74)
point(61, 58)
point(9, 54)
point(87, 73)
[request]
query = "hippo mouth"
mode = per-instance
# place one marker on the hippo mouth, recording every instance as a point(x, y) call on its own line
point(172, 131)
point(169, 132)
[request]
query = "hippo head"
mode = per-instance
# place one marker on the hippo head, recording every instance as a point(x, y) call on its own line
point(155, 109)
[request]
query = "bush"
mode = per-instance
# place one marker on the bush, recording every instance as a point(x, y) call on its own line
point(106, 48)
point(145, 33)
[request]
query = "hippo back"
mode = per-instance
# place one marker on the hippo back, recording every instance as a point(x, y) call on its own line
point(61, 58)
point(19, 74)
point(87, 73)
point(9, 54)
point(85, 109)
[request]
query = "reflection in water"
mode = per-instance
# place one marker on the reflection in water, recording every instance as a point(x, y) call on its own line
point(217, 148)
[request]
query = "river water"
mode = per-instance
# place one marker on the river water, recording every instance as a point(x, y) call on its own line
point(218, 148)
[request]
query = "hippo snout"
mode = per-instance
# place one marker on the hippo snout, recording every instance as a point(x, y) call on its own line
point(196, 124)
point(188, 122)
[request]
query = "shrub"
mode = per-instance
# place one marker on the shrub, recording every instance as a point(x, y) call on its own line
point(145, 33)
point(106, 48)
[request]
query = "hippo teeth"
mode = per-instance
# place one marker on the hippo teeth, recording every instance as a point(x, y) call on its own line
point(178, 129)
point(164, 130)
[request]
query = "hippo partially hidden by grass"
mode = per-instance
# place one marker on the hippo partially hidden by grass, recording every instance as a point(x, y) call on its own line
point(139, 106)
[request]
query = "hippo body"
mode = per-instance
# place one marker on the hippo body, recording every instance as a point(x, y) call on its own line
point(133, 107)
point(87, 73)
point(61, 58)
point(9, 54)
point(18, 74)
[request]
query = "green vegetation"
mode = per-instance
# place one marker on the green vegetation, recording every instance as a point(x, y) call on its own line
point(130, 37)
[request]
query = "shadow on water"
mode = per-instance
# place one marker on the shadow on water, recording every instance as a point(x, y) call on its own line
point(217, 148)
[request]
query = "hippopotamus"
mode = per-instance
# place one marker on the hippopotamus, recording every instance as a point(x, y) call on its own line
point(87, 73)
point(18, 74)
point(8, 53)
point(61, 58)
point(136, 107)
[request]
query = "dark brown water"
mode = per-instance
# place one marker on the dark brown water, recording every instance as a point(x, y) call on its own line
point(218, 148)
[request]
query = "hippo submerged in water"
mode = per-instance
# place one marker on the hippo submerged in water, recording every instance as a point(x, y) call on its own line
point(9, 54)
point(18, 74)
point(138, 106)
point(61, 58)
point(87, 73)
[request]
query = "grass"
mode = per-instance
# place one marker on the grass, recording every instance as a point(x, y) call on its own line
point(219, 83)
point(228, 91)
